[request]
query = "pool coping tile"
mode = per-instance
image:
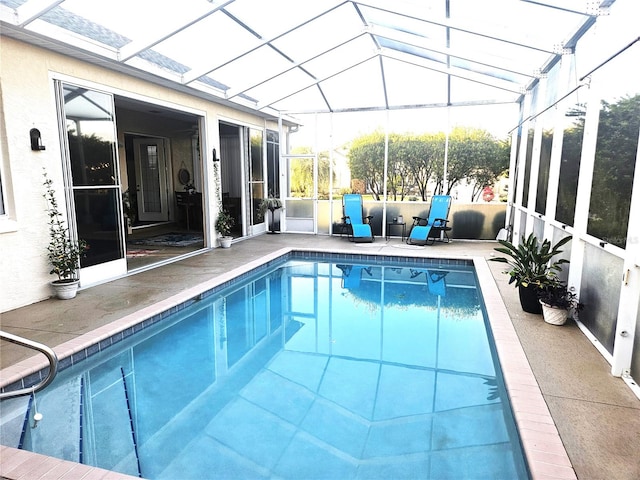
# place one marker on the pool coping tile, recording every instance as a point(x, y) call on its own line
point(545, 453)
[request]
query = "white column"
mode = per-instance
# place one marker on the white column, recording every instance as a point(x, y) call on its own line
point(534, 171)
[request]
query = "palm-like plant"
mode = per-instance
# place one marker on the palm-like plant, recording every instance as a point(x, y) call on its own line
point(530, 261)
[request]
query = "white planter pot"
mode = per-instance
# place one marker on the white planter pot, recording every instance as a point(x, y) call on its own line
point(225, 242)
point(65, 290)
point(554, 315)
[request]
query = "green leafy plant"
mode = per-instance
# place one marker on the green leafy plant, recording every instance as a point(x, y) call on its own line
point(530, 261)
point(555, 293)
point(270, 203)
point(63, 253)
point(224, 223)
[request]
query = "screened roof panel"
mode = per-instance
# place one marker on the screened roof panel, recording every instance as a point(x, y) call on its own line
point(359, 87)
point(311, 39)
point(271, 18)
point(288, 55)
point(309, 99)
point(490, 70)
point(140, 15)
point(280, 86)
point(254, 67)
point(510, 56)
point(341, 58)
point(520, 22)
point(464, 91)
point(189, 45)
point(407, 85)
point(413, 50)
point(408, 24)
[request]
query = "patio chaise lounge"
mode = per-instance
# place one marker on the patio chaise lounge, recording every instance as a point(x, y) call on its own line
point(356, 223)
point(425, 229)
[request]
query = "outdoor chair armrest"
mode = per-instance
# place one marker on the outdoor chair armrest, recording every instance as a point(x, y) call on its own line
point(418, 220)
point(440, 222)
point(368, 218)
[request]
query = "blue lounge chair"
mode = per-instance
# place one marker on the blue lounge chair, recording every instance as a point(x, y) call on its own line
point(428, 229)
point(357, 225)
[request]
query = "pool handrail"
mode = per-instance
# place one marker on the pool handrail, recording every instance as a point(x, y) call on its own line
point(48, 352)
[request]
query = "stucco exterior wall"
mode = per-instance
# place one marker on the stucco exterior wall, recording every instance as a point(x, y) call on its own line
point(27, 101)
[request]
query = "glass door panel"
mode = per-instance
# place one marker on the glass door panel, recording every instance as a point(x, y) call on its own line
point(151, 187)
point(256, 174)
point(301, 195)
point(94, 181)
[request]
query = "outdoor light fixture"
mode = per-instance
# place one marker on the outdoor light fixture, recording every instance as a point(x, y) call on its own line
point(36, 140)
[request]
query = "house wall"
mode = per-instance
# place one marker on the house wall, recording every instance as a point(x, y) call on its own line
point(27, 101)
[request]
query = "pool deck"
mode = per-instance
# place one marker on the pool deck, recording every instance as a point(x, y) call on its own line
point(596, 415)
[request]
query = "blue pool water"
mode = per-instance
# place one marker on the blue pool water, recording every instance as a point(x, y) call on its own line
point(313, 369)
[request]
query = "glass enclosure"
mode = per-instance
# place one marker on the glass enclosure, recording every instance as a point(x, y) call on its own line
point(616, 149)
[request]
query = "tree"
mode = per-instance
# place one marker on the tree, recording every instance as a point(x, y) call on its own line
point(614, 166)
point(301, 173)
point(415, 161)
point(475, 155)
point(424, 166)
point(366, 161)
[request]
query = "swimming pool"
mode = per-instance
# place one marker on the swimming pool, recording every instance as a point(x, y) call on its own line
point(329, 358)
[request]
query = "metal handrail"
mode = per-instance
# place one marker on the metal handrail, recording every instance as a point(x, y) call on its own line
point(50, 354)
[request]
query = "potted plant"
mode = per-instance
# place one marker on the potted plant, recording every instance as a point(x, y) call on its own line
point(63, 252)
point(224, 224)
point(271, 204)
point(530, 266)
point(558, 302)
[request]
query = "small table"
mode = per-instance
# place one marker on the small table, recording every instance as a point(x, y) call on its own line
point(397, 224)
point(186, 200)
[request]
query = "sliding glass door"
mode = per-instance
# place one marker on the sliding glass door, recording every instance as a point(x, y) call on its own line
point(92, 180)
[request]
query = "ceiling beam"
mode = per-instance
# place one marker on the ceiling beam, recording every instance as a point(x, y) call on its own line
point(207, 69)
point(33, 9)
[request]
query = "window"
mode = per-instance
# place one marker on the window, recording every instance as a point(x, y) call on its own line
point(616, 150)
point(570, 163)
point(273, 163)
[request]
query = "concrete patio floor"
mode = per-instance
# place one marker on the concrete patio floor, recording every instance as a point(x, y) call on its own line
point(597, 415)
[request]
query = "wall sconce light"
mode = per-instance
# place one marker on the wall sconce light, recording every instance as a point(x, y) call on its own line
point(215, 156)
point(36, 140)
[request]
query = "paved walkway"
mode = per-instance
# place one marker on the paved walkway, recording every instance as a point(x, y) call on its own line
point(597, 415)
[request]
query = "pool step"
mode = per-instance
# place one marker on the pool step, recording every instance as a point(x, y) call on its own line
point(58, 433)
point(12, 420)
point(131, 421)
point(110, 443)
